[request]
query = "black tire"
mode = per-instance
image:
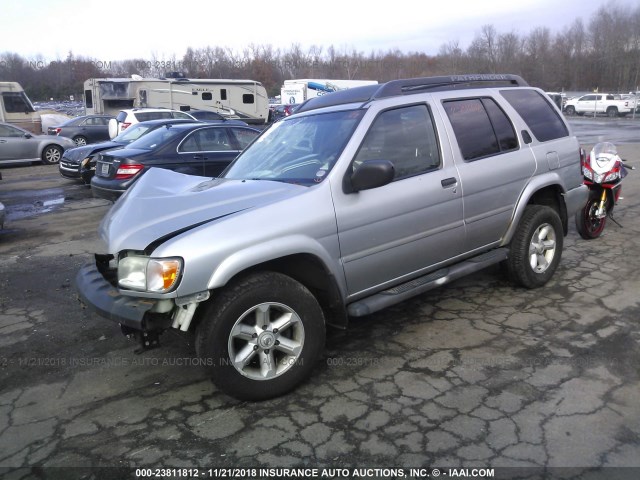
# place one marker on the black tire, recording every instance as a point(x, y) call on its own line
point(612, 112)
point(80, 141)
point(52, 154)
point(587, 224)
point(570, 110)
point(229, 329)
point(536, 247)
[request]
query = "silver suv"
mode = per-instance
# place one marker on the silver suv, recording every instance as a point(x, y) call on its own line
point(362, 199)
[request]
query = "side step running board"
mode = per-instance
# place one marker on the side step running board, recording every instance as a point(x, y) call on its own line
point(425, 283)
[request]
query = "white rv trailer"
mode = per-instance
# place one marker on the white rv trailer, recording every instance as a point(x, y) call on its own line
point(16, 108)
point(301, 89)
point(235, 99)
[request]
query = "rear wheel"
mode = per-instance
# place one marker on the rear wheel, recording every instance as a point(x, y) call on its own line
point(589, 226)
point(612, 112)
point(51, 154)
point(262, 336)
point(536, 247)
point(80, 141)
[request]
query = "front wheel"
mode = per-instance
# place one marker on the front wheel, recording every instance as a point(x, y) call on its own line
point(570, 110)
point(261, 336)
point(589, 225)
point(536, 247)
point(51, 154)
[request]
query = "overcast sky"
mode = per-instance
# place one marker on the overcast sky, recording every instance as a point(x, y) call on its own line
point(154, 30)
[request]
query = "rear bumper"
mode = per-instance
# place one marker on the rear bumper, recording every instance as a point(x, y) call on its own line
point(110, 188)
point(103, 298)
point(575, 199)
point(102, 192)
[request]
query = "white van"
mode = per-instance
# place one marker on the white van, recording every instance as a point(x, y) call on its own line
point(16, 108)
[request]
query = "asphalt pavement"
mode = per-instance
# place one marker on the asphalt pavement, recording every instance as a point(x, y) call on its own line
point(477, 374)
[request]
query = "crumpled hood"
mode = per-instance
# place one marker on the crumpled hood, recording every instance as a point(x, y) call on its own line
point(80, 153)
point(163, 203)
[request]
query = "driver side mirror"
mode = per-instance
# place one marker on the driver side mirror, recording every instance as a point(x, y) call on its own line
point(27, 135)
point(370, 174)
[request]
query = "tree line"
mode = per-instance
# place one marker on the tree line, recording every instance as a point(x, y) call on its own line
point(603, 54)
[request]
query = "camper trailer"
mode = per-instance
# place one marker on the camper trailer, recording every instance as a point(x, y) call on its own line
point(16, 108)
point(235, 99)
point(299, 90)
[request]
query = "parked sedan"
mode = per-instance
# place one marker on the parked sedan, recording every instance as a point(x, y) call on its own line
point(192, 148)
point(80, 162)
point(84, 130)
point(18, 145)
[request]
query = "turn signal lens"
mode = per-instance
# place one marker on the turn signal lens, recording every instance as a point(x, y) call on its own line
point(149, 274)
point(162, 274)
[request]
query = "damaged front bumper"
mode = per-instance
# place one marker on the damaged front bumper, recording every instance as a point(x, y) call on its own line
point(143, 318)
point(105, 299)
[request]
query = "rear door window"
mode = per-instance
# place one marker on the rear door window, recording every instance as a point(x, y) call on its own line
point(244, 136)
point(481, 127)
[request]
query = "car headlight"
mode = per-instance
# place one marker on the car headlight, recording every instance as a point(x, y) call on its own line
point(149, 274)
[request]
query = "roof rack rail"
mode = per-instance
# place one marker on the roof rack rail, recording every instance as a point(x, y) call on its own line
point(417, 85)
point(410, 86)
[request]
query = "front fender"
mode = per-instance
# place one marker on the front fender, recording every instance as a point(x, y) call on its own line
point(270, 250)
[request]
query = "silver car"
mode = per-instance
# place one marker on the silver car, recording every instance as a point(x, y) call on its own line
point(18, 145)
point(361, 199)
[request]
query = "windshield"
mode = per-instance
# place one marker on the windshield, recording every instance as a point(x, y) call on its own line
point(297, 150)
point(605, 148)
point(159, 136)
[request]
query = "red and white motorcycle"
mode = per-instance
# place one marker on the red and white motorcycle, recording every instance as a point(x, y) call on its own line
point(603, 172)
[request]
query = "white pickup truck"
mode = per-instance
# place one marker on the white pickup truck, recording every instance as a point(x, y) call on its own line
point(594, 103)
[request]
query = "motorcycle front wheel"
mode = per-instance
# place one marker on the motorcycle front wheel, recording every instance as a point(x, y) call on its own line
point(589, 226)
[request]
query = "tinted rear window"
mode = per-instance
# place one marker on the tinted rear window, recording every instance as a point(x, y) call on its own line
point(144, 116)
point(481, 127)
point(538, 113)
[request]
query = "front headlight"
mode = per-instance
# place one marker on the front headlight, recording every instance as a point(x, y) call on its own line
point(612, 176)
point(149, 274)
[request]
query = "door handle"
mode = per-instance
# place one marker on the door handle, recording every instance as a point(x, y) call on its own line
point(447, 182)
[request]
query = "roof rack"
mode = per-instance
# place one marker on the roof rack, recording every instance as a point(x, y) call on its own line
point(416, 85)
point(411, 86)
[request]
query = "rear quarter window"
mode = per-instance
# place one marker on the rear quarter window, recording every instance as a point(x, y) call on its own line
point(538, 113)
